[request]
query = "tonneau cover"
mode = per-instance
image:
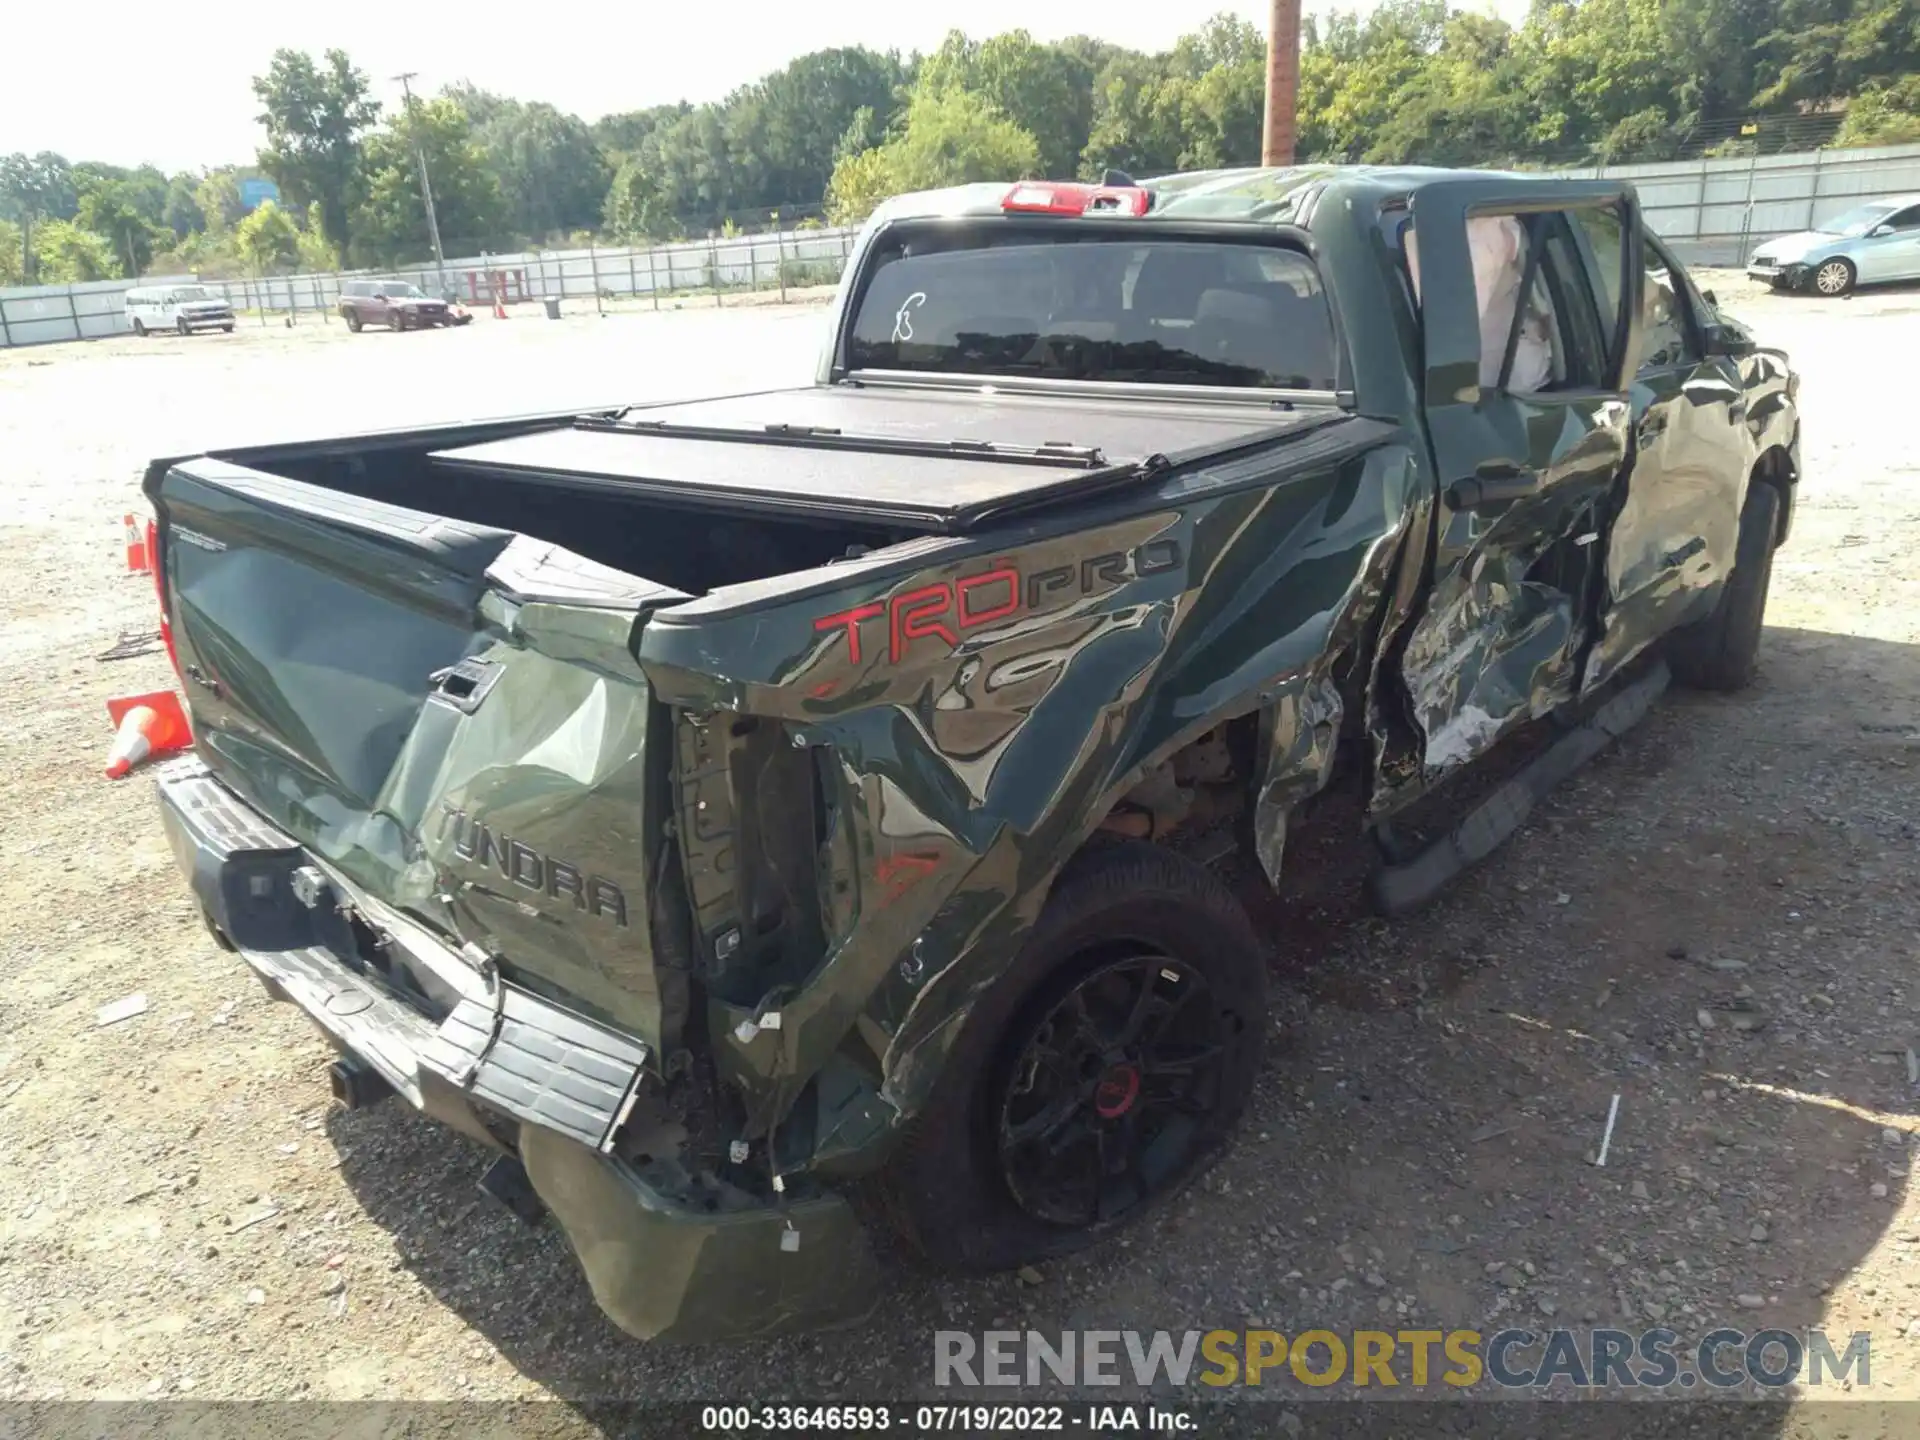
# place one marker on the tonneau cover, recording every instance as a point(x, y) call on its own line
point(933, 460)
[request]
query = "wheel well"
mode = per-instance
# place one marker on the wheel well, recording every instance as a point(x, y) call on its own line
point(1198, 787)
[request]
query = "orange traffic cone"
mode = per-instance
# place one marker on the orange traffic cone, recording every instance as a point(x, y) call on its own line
point(138, 562)
point(499, 308)
point(149, 725)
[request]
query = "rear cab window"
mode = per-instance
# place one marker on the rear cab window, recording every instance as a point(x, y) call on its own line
point(1046, 303)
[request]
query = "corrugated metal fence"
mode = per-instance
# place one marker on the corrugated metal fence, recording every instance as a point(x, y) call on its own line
point(42, 314)
point(1713, 211)
point(713, 268)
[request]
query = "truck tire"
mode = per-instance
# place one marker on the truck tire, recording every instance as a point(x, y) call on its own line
point(353, 322)
point(1097, 1076)
point(1718, 653)
point(140, 329)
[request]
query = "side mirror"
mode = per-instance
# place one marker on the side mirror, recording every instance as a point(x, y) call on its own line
point(1722, 339)
point(1711, 298)
point(1878, 231)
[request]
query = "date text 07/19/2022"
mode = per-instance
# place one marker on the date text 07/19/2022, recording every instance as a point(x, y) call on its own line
point(948, 1419)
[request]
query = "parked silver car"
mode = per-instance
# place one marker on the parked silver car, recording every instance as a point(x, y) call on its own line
point(1868, 245)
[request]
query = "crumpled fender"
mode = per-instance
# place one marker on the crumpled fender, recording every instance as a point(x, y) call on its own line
point(1299, 583)
point(969, 774)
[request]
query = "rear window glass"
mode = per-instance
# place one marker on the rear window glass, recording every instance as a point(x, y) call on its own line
point(1159, 312)
point(398, 290)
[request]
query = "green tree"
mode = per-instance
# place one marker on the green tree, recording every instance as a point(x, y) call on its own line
point(550, 171)
point(1220, 92)
point(784, 131)
point(1458, 108)
point(315, 117)
point(860, 182)
point(1883, 115)
point(1596, 68)
point(35, 188)
point(683, 179)
point(316, 254)
point(268, 240)
point(619, 136)
point(950, 137)
point(12, 259)
point(637, 210)
point(1820, 50)
point(65, 253)
point(390, 224)
point(1047, 90)
point(218, 196)
point(182, 213)
point(1717, 51)
point(142, 189)
point(111, 209)
point(1137, 118)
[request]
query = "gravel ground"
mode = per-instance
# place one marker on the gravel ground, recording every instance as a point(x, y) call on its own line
point(1716, 922)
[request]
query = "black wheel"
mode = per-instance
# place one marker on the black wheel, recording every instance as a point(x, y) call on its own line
point(1834, 277)
point(139, 328)
point(182, 326)
point(1098, 1075)
point(1718, 653)
point(353, 322)
point(227, 329)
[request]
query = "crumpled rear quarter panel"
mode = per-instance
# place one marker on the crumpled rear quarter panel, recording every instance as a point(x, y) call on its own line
point(970, 772)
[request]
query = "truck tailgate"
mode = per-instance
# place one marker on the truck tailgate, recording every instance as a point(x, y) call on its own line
point(450, 716)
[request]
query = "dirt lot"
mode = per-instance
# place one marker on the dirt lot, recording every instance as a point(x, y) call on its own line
point(1716, 922)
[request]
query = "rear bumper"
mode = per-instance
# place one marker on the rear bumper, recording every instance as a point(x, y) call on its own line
point(662, 1262)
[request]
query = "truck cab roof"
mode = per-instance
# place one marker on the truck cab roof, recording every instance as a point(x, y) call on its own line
point(1277, 195)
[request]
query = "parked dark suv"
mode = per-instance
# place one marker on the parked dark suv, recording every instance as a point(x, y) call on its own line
point(395, 304)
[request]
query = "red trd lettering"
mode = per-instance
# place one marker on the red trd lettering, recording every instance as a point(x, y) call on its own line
point(849, 620)
point(917, 614)
point(940, 610)
point(1004, 575)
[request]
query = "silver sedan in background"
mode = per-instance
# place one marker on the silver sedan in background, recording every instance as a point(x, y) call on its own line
point(1868, 245)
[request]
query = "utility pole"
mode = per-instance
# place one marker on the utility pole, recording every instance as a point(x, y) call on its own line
point(426, 185)
point(1283, 82)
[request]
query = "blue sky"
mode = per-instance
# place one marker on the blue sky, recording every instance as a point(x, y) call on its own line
point(138, 87)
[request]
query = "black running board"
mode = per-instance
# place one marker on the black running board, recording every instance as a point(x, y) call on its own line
point(1397, 889)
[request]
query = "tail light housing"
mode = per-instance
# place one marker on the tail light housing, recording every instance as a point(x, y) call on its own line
point(1064, 197)
point(160, 593)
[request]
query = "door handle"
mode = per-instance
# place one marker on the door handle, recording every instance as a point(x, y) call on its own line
point(1493, 483)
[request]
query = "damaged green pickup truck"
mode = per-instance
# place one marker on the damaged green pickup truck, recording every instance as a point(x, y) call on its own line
point(755, 816)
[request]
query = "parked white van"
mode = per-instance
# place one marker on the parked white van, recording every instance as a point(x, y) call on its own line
point(185, 308)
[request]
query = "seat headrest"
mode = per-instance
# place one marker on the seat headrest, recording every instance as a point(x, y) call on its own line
point(1236, 307)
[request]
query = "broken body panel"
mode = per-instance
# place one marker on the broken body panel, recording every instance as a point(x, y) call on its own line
point(776, 833)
